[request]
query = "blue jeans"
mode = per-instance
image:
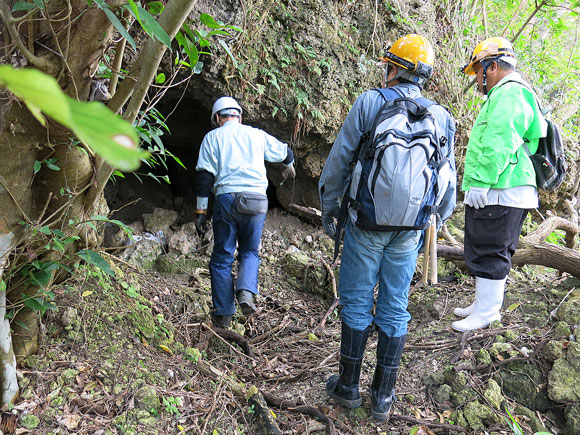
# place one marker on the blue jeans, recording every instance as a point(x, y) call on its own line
point(230, 228)
point(388, 257)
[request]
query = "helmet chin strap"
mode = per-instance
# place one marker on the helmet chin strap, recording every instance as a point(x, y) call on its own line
point(485, 64)
point(403, 73)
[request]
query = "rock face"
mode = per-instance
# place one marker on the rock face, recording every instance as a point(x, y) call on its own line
point(298, 68)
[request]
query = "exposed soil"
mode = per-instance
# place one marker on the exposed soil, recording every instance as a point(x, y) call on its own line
point(136, 354)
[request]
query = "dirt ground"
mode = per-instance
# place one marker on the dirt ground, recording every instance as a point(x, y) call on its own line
point(136, 354)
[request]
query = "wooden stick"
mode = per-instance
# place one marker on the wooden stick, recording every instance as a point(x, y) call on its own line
point(433, 251)
point(426, 255)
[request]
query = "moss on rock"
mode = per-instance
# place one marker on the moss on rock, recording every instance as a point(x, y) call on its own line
point(564, 382)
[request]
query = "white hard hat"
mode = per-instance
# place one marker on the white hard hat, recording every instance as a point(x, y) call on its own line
point(224, 103)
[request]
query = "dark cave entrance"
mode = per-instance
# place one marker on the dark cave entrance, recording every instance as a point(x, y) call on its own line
point(188, 121)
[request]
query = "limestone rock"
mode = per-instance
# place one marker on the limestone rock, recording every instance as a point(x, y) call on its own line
point(564, 382)
point(160, 220)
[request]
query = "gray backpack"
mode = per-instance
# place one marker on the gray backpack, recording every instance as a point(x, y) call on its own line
point(402, 172)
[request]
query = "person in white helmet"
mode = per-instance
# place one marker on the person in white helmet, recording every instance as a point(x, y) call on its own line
point(231, 164)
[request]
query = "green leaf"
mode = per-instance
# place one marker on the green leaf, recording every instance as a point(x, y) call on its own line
point(189, 32)
point(39, 4)
point(155, 7)
point(95, 259)
point(218, 32)
point(41, 278)
point(34, 87)
point(52, 166)
point(115, 21)
point(153, 28)
point(70, 240)
point(134, 11)
point(228, 51)
point(2, 286)
point(107, 134)
point(160, 78)
point(22, 325)
point(209, 21)
point(37, 166)
point(92, 122)
point(22, 6)
point(45, 230)
point(189, 48)
point(34, 304)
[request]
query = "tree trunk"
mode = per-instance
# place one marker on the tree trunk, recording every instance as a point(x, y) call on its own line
point(32, 196)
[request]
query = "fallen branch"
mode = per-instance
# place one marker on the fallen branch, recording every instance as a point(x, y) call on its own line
point(542, 254)
point(309, 214)
point(226, 334)
point(251, 394)
point(533, 249)
point(302, 409)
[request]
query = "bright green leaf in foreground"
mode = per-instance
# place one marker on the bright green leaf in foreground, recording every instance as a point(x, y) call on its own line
point(209, 21)
point(111, 137)
point(39, 89)
point(107, 134)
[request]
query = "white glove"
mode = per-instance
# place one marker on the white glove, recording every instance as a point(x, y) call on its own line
point(477, 197)
point(288, 171)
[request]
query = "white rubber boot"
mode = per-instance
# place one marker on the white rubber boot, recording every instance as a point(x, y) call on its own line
point(464, 312)
point(488, 301)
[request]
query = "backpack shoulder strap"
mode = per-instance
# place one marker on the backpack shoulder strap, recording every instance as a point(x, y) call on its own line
point(388, 93)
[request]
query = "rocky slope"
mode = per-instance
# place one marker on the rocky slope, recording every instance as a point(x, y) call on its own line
point(135, 353)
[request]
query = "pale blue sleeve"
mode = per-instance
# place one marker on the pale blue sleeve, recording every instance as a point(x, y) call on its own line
point(337, 169)
point(208, 157)
point(274, 150)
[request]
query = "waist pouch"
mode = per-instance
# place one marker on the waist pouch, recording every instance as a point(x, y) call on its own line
point(251, 203)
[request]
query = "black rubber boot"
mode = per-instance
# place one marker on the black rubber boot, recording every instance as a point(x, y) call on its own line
point(246, 302)
point(389, 351)
point(344, 387)
point(221, 321)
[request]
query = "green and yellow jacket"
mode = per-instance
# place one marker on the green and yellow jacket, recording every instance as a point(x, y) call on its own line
point(495, 157)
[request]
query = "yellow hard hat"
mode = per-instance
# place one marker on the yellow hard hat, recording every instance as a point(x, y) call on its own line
point(413, 53)
point(492, 48)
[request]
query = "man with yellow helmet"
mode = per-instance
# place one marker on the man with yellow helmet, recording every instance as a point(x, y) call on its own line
point(368, 256)
point(499, 180)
